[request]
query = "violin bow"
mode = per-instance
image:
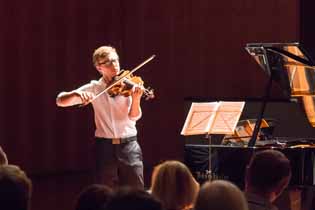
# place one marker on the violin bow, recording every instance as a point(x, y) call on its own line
point(121, 79)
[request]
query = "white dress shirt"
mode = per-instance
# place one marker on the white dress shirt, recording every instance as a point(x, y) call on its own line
point(111, 113)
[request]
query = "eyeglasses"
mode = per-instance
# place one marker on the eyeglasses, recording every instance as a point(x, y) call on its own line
point(108, 63)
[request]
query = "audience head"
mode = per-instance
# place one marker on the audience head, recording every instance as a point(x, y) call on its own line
point(173, 184)
point(93, 197)
point(15, 188)
point(133, 198)
point(3, 157)
point(268, 174)
point(220, 195)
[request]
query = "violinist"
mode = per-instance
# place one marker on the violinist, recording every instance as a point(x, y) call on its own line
point(118, 154)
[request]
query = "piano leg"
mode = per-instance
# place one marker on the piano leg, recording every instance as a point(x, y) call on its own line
point(295, 198)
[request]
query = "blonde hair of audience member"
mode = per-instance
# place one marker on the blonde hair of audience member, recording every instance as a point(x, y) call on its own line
point(173, 184)
point(220, 195)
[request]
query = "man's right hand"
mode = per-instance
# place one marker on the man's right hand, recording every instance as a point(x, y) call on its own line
point(86, 97)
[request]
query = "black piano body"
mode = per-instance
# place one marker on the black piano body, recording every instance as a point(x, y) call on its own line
point(293, 70)
point(229, 162)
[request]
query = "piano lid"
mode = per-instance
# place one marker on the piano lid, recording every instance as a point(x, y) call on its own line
point(288, 64)
point(291, 67)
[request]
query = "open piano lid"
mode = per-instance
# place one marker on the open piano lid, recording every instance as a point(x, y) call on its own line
point(291, 67)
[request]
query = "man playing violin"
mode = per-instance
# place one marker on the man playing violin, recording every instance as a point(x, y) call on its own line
point(118, 154)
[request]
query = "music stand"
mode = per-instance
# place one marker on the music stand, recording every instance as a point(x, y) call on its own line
point(208, 118)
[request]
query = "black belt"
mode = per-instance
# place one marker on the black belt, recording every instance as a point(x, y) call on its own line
point(118, 140)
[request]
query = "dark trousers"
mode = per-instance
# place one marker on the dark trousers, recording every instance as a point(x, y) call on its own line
point(119, 164)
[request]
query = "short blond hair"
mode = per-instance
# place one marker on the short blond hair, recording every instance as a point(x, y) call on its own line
point(102, 52)
point(173, 184)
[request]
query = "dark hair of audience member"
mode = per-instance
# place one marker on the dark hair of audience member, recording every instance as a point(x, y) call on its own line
point(93, 197)
point(15, 188)
point(220, 195)
point(266, 170)
point(174, 185)
point(133, 198)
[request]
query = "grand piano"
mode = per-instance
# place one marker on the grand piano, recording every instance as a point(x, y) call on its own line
point(288, 65)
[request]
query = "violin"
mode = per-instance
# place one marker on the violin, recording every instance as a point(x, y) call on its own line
point(125, 87)
point(119, 79)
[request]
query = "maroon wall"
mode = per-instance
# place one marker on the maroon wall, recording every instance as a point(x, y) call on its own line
point(46, 47)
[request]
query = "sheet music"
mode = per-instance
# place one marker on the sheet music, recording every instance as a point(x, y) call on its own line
point(212, 118)
point(227, 117)
point(200, 118)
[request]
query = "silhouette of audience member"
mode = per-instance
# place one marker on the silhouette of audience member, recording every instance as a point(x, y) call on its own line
point(267, 175)
point(133, 198)
point(174, 185)
point(15, 188)
point(3, 157)
point(93, 197)
point(220, 195)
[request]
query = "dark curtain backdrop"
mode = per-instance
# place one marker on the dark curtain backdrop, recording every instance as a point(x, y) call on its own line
point(46, 47)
